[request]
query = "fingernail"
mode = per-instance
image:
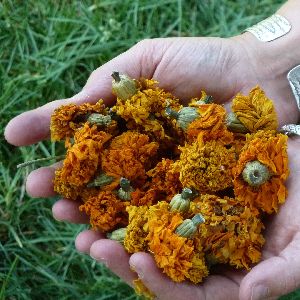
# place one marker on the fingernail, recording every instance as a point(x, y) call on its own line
point(137, 270)
point(259, 292)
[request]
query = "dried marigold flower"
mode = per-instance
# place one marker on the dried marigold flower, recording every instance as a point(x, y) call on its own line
point(140, 197)
point(177, 256)
point(256, 111)
point(270, 150)
point(211, 125)
point(139, 143)
point(144, 109)
point(84, 157)
point(206, 167)
point(165, 179)
point(135, 238)
point(72, 192)
point(123, 163)
point(64, 188)
point(106, 211)
point(67, 118)
point(231, 232)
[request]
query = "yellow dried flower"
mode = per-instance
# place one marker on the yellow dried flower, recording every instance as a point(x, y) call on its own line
point(256, 111)
point(206, 167)
point(211, 125)
point(106, 211)
point(67, 118)
point(136, 232)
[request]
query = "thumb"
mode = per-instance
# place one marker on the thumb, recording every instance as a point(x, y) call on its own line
point(274, 277)
point(33, 126)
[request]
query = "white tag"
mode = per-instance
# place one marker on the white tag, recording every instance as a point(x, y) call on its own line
point(271, 28)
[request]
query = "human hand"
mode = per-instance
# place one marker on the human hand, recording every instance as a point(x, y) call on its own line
point(222, 67)
point(277, 274)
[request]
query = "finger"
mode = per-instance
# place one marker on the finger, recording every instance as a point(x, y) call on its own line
point(213, 287)
point(86, 238)
point(33, 126)
point(275, 276)
point(39, 182)
point(68, 210)
point(114, 256)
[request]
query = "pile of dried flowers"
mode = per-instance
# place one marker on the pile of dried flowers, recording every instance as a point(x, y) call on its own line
point(187, 184)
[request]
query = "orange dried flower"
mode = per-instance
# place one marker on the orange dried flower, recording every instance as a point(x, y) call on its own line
point(148, 197)
point(136, 233)
point(142, 109)
point(206, 167)
point(123, 163)
point(231, 232)
point(64, 188)
point(139, 143)
point(70, 191)
point(256, 111)
point(67, 118)
point(270, 150)
point(84, 157)
point(211, 125)
point(175, 255)
point(165, 179)
point(106, 211)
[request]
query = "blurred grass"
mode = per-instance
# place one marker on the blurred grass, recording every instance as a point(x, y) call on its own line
point(47, 50)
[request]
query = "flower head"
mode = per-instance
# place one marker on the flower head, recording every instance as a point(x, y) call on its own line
point(84, 157)
point(67, 118)
point(211, 125)
point(177, 256)
point(206, 167)
point(231, 232)
point(106, 211)
point(256, 111)
point(270, 150)
point(135, 239)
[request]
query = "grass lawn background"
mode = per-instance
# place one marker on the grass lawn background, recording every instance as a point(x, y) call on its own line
point(47, 51)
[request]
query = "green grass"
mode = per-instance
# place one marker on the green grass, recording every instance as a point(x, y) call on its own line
point(47, 51)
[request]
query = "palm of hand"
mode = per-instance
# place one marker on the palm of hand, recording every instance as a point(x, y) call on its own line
point(184, 67)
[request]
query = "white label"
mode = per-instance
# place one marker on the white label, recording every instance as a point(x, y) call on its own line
point(271, 28)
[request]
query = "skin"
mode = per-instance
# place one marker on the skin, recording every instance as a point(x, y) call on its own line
point(184, 66)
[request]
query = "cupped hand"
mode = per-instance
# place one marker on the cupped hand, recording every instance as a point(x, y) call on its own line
point(277, 274)
point(183, 66)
